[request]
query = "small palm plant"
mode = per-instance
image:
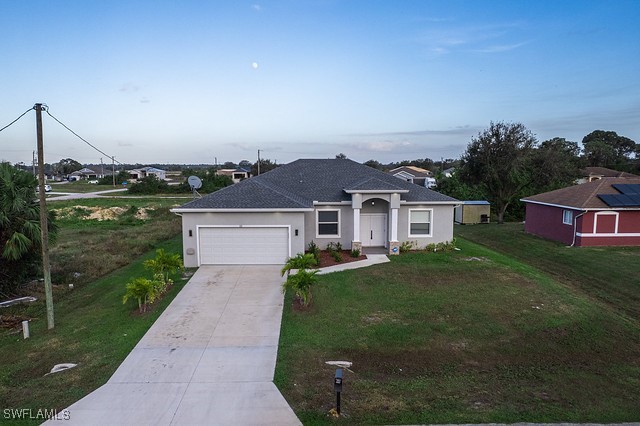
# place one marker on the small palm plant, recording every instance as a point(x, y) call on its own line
point(143, 290)
point(300, 261)
point(301, 283)
point(164, 265)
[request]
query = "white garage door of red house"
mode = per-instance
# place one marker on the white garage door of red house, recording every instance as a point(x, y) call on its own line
point(246, 245)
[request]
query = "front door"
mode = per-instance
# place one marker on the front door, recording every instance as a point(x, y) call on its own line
point(373, 230)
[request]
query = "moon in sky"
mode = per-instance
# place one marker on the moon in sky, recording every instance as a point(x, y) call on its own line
point(254, 65)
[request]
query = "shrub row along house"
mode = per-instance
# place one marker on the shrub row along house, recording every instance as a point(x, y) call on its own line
point(265, 219)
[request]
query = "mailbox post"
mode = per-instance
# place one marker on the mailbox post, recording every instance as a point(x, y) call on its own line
point(337, 387)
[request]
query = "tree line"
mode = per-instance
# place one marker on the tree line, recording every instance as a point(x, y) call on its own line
point(505, 162)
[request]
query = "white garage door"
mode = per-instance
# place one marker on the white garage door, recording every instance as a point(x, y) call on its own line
point(246, 245)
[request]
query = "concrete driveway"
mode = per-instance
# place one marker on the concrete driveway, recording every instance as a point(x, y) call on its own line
point(209, 358)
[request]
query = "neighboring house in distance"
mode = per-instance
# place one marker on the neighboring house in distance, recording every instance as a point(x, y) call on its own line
point(414, 174)
point(448, 172)
point(589, 174)
point(236, 175)
point(604, 212)
point(143, 172)
point(265, 219)
point(83, 174)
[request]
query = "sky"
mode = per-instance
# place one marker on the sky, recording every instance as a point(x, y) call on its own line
point(199, 81)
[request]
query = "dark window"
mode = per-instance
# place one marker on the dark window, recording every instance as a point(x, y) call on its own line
point(328, 222)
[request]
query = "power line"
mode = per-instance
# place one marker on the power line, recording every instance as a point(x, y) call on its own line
point(46, 109)
point(21, 115)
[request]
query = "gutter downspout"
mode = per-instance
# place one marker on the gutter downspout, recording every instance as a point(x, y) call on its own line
point(575, 226)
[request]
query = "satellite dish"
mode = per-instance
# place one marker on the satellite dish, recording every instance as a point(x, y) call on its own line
point(194, 182)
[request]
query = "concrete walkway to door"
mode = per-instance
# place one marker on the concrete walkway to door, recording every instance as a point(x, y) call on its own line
point(209, 359)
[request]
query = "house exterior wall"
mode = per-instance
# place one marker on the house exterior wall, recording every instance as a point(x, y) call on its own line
point(609, 228)
point(441, 224)
point(191, 221)
point(546, 222)
point(594, 228)
point(346, 227)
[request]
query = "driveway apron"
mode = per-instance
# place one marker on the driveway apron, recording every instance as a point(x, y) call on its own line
point(208, 359)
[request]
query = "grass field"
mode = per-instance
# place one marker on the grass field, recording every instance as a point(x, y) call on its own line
point(462, 337)
point(608, 274)
point(80, 187)
point(93, 329)
point(87, 248)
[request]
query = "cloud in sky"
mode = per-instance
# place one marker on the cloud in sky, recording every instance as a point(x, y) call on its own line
point(480, 39)
point(256, 7)
point(129, 88)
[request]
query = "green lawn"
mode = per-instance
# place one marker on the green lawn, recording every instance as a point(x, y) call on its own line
point(462, 337)
point(80, 187)
point(607, 274)
point(93, 329)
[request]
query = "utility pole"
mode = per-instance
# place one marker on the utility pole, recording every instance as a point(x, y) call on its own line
point(113, 171)
point(33, 162)
point(44, 229)
point(258, 162)
point(101, 168)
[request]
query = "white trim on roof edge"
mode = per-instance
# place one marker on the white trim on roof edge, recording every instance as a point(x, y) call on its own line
point(212, 210)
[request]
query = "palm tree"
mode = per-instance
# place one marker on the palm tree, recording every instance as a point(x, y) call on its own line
point(19, 226)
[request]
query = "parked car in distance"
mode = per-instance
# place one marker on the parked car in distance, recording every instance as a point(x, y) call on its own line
point(47, 188)
point(93, 181)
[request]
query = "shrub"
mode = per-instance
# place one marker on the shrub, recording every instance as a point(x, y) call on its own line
point(407, 246)
point(314, 250)
point(143, 290)
point(300, 261)
point(150, 185)
point(337, 256)
point(164, 265)
point(445, 246)
point(301, 283)
point(355, 253)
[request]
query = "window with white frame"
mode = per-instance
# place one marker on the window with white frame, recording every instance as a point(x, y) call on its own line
point(567, 217)
point(328, 223)
point(420, 223)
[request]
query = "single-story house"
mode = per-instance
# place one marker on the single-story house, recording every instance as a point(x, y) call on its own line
point(472, 212)
point(589, 174)
point(83, 173)
point(414, 174)
point(604, 212)
point(143, 172)
point(265, 219)
point(236, 175)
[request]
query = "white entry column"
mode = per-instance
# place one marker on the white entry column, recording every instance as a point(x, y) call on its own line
point(356, 225)
point(394, 225)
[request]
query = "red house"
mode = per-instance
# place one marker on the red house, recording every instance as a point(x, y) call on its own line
point(605, 212)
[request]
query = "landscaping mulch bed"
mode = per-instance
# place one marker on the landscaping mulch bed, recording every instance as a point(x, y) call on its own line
point(327, 260)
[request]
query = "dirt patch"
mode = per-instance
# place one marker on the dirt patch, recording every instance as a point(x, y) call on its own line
point(327, 260)
point(110, 213)
point(12, 321)
point(100, 213)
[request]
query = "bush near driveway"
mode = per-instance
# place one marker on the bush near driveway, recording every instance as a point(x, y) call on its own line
point(469, 336)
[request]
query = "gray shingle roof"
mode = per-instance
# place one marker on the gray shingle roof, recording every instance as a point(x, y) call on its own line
point(300, 183)
point(374, 184)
